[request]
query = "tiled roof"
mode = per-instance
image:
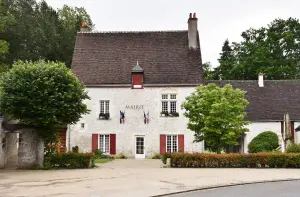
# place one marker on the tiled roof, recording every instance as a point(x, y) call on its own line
point(271, 101)
point(108, 58)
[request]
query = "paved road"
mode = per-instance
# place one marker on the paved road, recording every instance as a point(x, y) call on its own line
point(279, 189)
point(128, 178)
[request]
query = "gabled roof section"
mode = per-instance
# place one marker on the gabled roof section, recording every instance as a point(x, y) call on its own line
point(107, 58)
point(271, 102)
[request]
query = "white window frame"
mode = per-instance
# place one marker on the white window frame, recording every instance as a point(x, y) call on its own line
point(169, 100)
point(104, 144)
point(172, 143)
point(104, 106)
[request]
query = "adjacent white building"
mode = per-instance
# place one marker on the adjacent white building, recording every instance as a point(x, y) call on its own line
point(268, 101)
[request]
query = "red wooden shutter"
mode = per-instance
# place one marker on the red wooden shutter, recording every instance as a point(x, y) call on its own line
point(112, 148)
point(292, 128)
point(162, 144)
point(95, 141)
point(180, 143)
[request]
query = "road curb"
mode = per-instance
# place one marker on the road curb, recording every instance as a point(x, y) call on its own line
point(227, 185)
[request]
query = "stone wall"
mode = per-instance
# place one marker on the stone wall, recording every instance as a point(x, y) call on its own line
point(11, 151)
point(30, 149)
point(2, 148)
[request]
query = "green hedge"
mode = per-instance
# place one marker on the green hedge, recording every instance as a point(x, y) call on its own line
point(71, 160)
point(293, 148)
point(257, 160)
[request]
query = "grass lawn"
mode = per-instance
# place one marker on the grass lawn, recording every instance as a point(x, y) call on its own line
point(97, 161)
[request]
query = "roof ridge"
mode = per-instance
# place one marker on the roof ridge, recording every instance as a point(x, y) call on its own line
point(154, 31)
point(237, 80)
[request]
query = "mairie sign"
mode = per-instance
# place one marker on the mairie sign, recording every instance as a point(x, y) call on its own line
point(134, 107)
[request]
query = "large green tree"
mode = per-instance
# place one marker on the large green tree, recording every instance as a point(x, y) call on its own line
point(40, 32)
point(216, 115)
point(42, 95)
point(71, 19)
point(273, 50)
point(5, 19)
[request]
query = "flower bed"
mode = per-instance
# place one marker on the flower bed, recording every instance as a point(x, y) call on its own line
point(259, 160)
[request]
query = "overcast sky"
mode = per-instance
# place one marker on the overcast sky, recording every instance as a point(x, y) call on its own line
point(217, 19)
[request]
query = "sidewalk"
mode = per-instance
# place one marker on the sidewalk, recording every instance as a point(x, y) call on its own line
point(128, 178)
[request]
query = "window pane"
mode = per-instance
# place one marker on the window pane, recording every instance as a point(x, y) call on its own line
point(164, 106)
point(101, 106)
point(164, 96)
point(173, 96)
point(107, 107)
point(169, 145)
point(101, 142)
point(173, 106)
point(174, 143)
point(106, 143)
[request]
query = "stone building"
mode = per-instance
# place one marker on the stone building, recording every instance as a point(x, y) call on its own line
point(137, 82)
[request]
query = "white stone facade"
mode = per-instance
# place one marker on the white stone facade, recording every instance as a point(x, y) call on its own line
point(150, 99)
point(119, 98)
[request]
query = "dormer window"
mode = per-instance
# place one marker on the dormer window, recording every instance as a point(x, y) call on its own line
point(137, 75)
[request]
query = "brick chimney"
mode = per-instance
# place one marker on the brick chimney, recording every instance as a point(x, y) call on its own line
point(84, 27)
point(261, 80)
point(193, 31)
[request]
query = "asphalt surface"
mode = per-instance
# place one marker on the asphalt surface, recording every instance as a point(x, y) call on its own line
point(276, 189)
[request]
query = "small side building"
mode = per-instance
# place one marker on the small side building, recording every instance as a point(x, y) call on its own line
point(268, 100)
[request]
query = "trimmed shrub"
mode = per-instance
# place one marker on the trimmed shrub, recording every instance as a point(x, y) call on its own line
point(72, 160)
point(293, 148)
point(264, 142)
point(156, 156)
point(120, 156)
point(257, 160)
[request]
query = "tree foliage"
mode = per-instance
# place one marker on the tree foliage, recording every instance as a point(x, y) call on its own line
point(273, 50)
point(40, 32)
point(216, 115)
point(264, 142)
point(43, 94)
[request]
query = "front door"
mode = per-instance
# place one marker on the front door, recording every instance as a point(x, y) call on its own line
point(140, 147)
point(62, 142)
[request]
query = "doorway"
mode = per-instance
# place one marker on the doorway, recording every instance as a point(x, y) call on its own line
point(140, 147)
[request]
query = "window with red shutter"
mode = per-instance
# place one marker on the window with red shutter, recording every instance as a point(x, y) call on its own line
point(113, 144)
point(181, 143)
point(95, 141)
point(162, 144)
